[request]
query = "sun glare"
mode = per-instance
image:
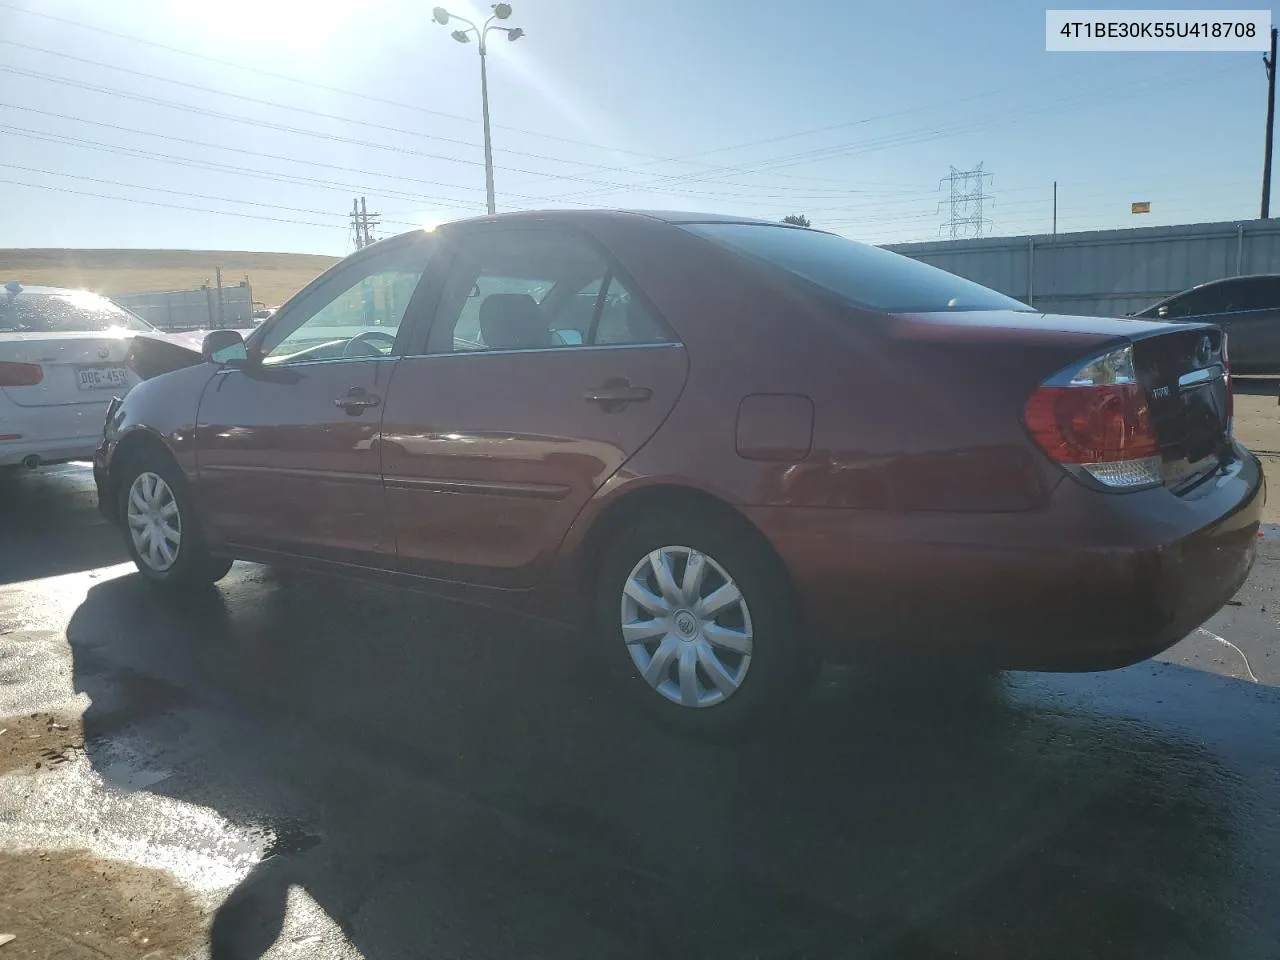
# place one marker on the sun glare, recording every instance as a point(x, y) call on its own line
point(289, 26)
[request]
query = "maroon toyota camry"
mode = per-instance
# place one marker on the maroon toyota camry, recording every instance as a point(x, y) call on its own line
point(727, 448)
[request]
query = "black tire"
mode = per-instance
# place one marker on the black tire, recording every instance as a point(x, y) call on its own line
point(192, 564)
point(780, 661)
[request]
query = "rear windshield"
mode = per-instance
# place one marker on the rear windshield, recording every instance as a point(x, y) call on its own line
point(64, 313)
point(861, 274)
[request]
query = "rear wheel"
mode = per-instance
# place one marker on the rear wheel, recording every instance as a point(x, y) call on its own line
point(161, 530)
point(699, 623)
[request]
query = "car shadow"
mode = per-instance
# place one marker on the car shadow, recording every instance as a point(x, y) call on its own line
point(445, 781)
point(49, 524)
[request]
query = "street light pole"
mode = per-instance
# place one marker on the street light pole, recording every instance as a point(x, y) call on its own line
point(488, 141)
point(501, 11)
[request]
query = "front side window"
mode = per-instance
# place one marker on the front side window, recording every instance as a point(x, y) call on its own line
point(357, 315)
point(863, 275)
point(534, 290)
point(71, 312)
point(1205, 301)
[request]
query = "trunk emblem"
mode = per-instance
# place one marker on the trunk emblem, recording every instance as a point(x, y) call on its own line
point(105, 352)
point(1159, 393)
point(1204, 351)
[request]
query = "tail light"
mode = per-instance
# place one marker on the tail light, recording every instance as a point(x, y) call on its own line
point(1095, 420)
point(20, 374)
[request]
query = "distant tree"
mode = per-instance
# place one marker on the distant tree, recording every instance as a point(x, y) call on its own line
point(797, 220)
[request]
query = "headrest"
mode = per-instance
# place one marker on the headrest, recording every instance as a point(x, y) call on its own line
point(510, 321)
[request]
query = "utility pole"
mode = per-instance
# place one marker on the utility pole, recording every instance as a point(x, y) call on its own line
point(357, 233)
point(368, 221)
point(1055, 208)
point(222, 315)
point(965, 202)
point(362, 223)
point(1270, 63)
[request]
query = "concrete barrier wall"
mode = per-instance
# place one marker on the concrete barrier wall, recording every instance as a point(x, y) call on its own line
point(1107, 272)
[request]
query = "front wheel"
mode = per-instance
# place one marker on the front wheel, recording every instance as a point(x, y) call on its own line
point(700, 624)
point(161, 530)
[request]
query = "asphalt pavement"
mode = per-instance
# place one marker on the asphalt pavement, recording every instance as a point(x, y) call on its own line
point(294, 766)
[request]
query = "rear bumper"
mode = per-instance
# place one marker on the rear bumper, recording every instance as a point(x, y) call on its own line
point(47, 450)
point(54, 433)
point(1093, 582)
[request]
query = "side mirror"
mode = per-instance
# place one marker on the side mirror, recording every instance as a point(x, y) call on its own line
point(223, 346)
point(568, 337)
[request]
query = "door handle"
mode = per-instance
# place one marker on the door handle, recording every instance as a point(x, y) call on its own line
point(357, 401)
point(616, 394)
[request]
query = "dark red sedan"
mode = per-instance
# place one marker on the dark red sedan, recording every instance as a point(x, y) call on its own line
point(728, 448)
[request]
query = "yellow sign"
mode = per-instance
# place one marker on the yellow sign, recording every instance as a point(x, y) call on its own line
point(1143, 207)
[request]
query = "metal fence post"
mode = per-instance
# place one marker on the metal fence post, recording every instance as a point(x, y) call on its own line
point(1031, 271)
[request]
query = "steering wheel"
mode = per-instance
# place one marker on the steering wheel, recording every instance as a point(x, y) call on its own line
point(367, 348)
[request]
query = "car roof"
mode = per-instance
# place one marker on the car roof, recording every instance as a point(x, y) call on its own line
point(1224, 280)
point(597, 215)
point(47, 291)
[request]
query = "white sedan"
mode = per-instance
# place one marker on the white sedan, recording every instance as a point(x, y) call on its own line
point(63, 356)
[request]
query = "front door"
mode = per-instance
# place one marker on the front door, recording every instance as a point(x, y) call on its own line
point(287, 445)
point(543, 372)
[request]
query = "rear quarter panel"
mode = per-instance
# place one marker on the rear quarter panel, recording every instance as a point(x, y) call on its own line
point(909, 412)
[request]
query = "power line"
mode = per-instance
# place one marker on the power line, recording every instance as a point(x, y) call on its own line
point(315, 163)
point(154, 189)
point(905, 138)
point(215, 167)
point(396, 103)
point(203, 88)
point(170, 206)
point(281, 127)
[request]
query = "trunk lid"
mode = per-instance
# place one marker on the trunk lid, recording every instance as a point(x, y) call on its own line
point(1184, 372)
point(77, 367)
point(1181, 368)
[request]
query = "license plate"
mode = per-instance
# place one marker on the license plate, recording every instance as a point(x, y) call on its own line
point(101, 378)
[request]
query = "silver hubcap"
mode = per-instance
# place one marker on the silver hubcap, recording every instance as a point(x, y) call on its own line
point(154, 521)
point(686, 626)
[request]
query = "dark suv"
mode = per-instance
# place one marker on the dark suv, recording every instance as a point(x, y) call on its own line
point(1247, 308)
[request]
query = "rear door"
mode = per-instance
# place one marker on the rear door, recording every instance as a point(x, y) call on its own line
point(1251, 317)
point(543, 371)
point(287, 446)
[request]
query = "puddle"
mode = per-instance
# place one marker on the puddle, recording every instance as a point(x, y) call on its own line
point(38, 741)
point(70, 904)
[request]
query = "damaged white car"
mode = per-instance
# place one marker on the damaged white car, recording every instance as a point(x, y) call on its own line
point(63, 355)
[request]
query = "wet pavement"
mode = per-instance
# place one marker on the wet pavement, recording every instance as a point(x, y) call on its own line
point(326, 769)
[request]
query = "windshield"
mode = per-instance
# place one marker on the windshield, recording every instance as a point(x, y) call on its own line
point(864, 275)
point(65, 313)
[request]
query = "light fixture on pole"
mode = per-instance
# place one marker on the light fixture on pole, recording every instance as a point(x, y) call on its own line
point(501, 11)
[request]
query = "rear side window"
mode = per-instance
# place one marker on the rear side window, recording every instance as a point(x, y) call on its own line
point(1256, 293)
point(64, 313)
point(861, 274)
point(537, 290)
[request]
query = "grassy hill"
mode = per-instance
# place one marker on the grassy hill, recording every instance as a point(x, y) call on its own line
point(274, 276)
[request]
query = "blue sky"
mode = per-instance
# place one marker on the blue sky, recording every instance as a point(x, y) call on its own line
point(849, 113)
